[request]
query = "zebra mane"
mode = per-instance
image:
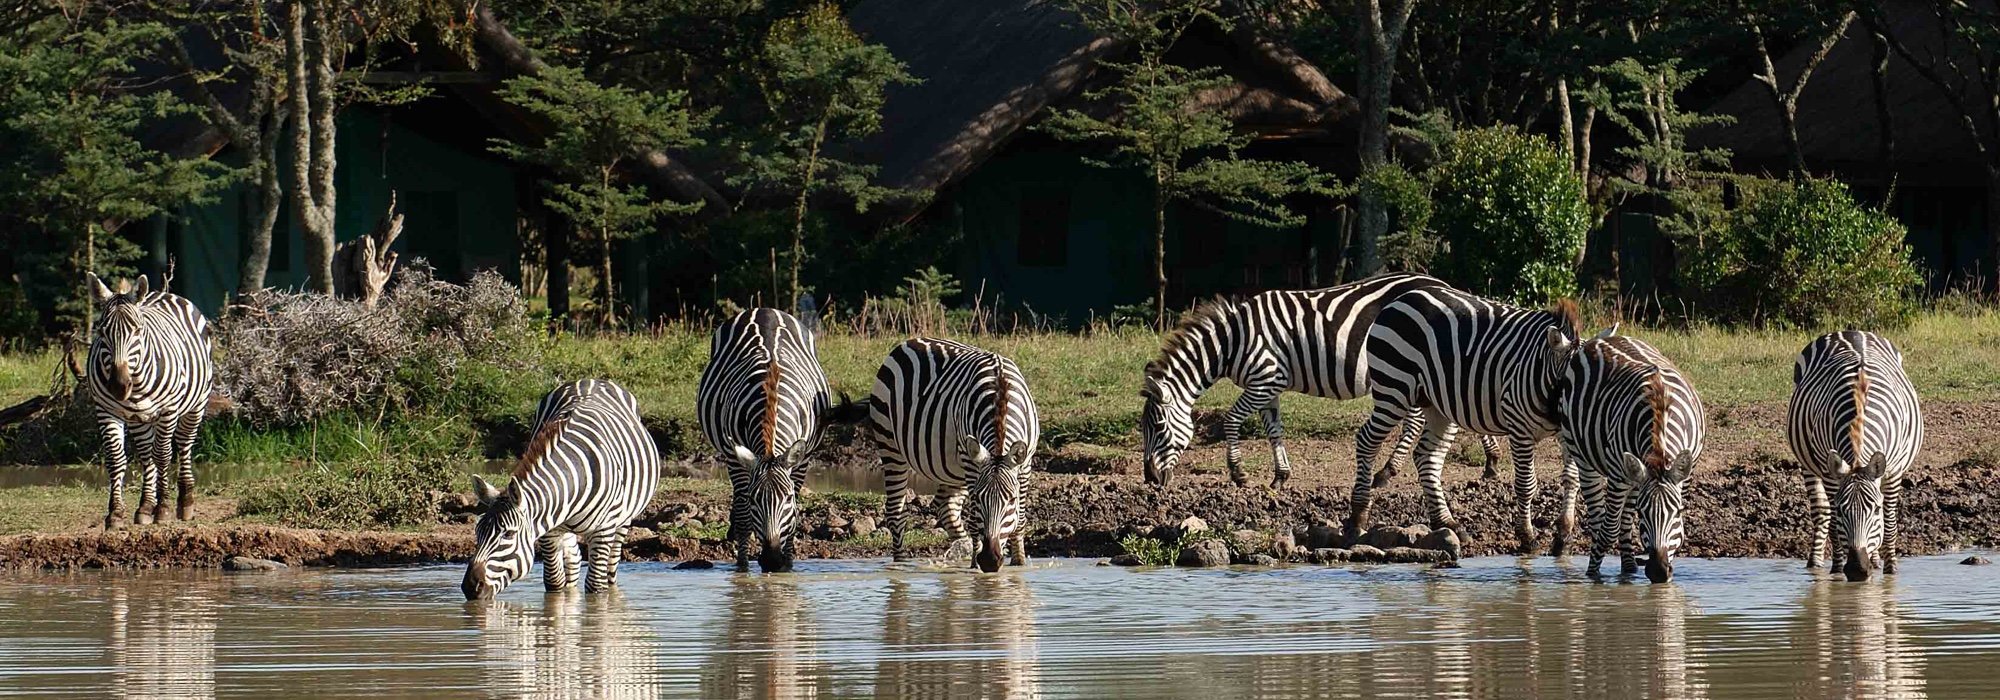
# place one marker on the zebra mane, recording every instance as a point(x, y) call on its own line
point(1567, 314)
point(1855, 429)
point(771, 403)
point(999, 405)
point(539, 445)
point(1656, 396)
point(1213, 310)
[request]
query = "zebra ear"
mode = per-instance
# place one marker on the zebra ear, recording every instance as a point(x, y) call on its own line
point(1840, 466)
point(1606, 333)
point(1017, 454)
point(98, 290)
point(1559, 341)
point(1635, 468)
point(142, 288)
point(484, 491)
point(797, 454)
point(743, 456)
point(970, 447)
point(1681, 468)
point(1877, 465)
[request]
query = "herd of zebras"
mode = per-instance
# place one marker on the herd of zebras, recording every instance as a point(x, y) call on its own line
point(961, 421)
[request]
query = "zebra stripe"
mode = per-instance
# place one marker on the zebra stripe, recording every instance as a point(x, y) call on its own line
point(151, 368)
point(589, 470)
point(1854, 424)
point(1634, 425)
point(1310, 342)
point(1462, 361)
point(961, 420)
point(763, 403)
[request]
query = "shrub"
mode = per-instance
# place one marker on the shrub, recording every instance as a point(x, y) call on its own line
point(1411, 244)
point(1512, 213)
point(357, 495)
point(1150, 552)
point(1803, 254)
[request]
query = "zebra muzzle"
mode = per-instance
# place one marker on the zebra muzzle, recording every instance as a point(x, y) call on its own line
point(1659, 569)
point(988, 556)
point(474, 586)
point(1860, 565)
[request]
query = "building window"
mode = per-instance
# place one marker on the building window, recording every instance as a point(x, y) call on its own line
point(1043, 239)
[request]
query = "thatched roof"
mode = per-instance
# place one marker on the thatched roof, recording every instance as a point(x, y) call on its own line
point(1837, 123)
point(988, 68)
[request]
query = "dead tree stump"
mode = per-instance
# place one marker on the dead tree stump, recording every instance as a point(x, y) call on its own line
point(363, 266)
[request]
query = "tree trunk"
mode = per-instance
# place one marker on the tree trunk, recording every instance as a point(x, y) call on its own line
point(607, 314)
point(362, 267)
point(266, 200)
point(1992, 221)
point(555, 249)
point(1160, 253)
point(1380, 34)
point(310, 63)
point(1885, 143)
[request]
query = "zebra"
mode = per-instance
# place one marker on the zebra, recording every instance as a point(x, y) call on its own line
point(590, 468)
point(960, 419)
point(764, 404)
point(1308, 341)
point(151, 369)
point(1634, 424)
point(1854, 424)
point(1462, 361)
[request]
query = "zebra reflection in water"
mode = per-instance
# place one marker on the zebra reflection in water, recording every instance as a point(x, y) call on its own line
point(568, 645)
point(959, 636)
point(768, 648)
point(1859, 648)
point(163, 647)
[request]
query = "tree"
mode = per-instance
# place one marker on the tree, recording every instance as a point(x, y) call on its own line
point(595, 130)
point(72, 166)
point(1378, 39)
point(822, 85)
point(1187, 149)
point(1785, 98)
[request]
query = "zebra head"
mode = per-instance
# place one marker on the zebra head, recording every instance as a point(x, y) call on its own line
point(1859, 512)
point(1657, 499)
point(770, 486)
point(1166, 426)
point(995, 494)
point(117, 344)
point(504, 551)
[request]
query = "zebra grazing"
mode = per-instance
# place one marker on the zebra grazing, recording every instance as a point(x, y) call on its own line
point(1462, 361)
point(763, 403)
point(589, 470)
point(150, 372)
point(1307, 341)
point(959, 419)
point(1854, 424)
point(1634, 425)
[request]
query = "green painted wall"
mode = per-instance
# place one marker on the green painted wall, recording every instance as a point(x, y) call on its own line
point(459, 211)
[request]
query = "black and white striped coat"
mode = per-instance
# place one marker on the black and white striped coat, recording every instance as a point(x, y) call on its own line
point(959, 420)
point(1307, 341)
point(763, 403)
point(587, 472)
point(1633, 424)
point(1463, 361)
point(1854, 425)
point(151, 368)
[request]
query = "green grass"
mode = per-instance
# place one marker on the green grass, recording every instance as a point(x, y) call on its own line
point(37, 508)
point(26, 374)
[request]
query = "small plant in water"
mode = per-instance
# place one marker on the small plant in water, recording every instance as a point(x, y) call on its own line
point(1150, 552)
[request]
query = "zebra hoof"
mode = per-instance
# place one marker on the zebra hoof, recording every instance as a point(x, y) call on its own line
point(1528, 538)
point(143, 516)
point(1382, 477)
point(1888, 566)
point(160, 513)
point(184, 508)
point(1489, 474)
point(1627, 566)
point(1236, 476)
point(113, 522)
point(1278, 480)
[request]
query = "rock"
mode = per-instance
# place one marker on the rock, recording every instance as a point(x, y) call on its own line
point(1059, 531)
point(1165, 533)
point(636, 533)
point(694, 524)
point(455, 503)
point(1976, 560)
point(1284, 543)
point(1362, 552)
point(1126, 560)
point(1204, 554)
point(1391, 537)
point(1193, 525)
point(1322, 535)
point(1442, 540)
point(1263, 560)
point(1250, 541)
point(834, 521)
point(1448, 564)
point(1412, 555)
point(240, 563)
point(862, 526)
point(1329, 555)
point(694, 564)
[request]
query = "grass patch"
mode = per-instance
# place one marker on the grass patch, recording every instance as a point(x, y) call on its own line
point(24, 375)
point(355, 496)
point(49, 508)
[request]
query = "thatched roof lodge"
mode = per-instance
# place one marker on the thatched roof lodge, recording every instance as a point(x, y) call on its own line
point(1038, 226)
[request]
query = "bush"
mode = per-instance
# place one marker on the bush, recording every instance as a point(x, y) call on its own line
point(358, 495)
point(1803, 254)
point(1411, 245)
point(1149, 551)
point(288, 359)
point(1512, 213)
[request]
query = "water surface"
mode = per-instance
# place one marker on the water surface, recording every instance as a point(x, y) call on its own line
point(1500, 627)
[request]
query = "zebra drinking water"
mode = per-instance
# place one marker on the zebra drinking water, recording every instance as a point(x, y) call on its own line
point(1464, 361)
point(587, 472)
point(1854, 423)
point(1309, 341)
point(1634, 425)
point(763, 406)
point(961, 420)
point(150, 372)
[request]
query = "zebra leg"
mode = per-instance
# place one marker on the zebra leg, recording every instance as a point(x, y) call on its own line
point(1566, 516)
point(1892, 507)
point(1628, 531)
point(1407, 441)
point(1253, 398)
point(112, 432)
point(1367, 441)
point(148, 441)
point(1525, 490)
point(1837, 555)
point(952, 499)
point(1491, 446)
point(893, 502)
point(1599, 512)
point(606, 549)
point(184, 437)
point(556, 550)
point(739, 528)
point(1020, 547)
point(1822, 519)
point(1438, 436)
point(1275, 429)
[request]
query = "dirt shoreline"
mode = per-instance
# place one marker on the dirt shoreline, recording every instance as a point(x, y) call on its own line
point(1746, 501)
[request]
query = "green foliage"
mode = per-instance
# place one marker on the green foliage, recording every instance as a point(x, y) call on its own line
point(1513, 214)
point(1803, 254)
point(1411, 245)
point(928, 284)
point(71, 160)
point(1150, 552)
point(379, 493)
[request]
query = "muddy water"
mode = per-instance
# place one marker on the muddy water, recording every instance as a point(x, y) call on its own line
point(1496, 628)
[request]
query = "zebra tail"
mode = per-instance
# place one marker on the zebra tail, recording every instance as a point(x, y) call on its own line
point(847, 412)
